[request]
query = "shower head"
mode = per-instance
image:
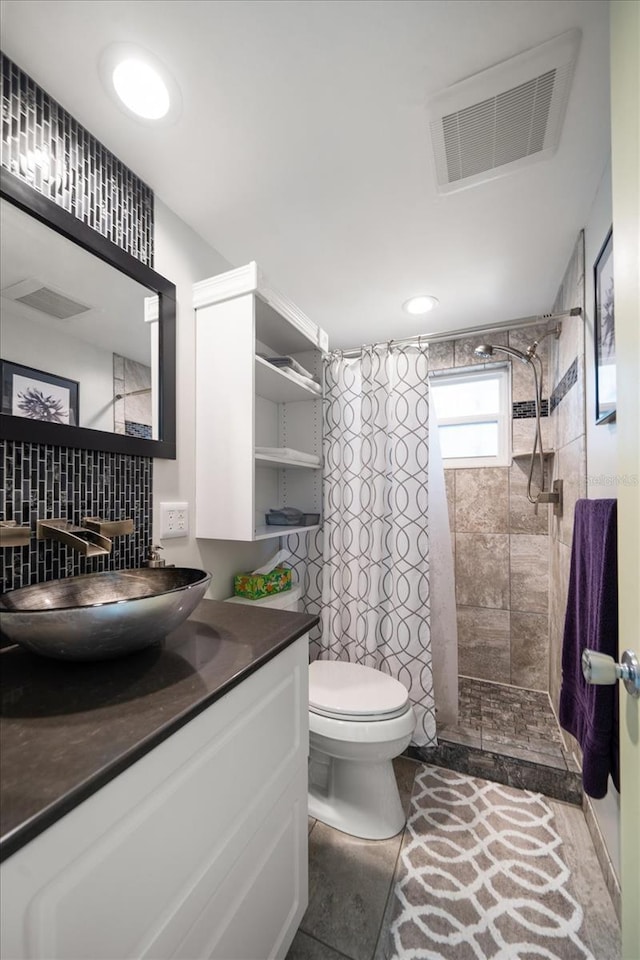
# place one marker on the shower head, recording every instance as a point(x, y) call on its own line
point(486, 350)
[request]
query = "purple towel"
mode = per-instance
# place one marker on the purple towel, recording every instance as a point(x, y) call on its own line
point(588, 712)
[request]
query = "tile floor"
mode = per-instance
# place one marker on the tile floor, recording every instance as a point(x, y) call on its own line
point(351, 887)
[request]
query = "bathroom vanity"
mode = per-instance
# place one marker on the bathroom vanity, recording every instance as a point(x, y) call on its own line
point(156, 805)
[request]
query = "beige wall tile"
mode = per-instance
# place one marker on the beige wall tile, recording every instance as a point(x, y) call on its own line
point(560, 565)
point(483, 643)
point(570, 415)
point(571, 468)
point(450, 488)
point(521, 339)
point(529, 573)
point(522, 516)
point(464, 347)
point(522, 382)
point(482, 500)
point(530, 650)
point(482, 570)
point(570, 344)
point(441, 355)
point(524, 430)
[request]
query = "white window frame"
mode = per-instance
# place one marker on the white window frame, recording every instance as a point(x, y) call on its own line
point(503, 416)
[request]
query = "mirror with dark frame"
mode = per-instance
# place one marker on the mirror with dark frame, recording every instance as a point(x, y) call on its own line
point(87, 341)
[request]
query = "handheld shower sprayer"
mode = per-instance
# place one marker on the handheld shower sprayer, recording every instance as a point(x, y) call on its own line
point(486, 351)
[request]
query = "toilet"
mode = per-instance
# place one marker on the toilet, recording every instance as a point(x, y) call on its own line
point(360, 719)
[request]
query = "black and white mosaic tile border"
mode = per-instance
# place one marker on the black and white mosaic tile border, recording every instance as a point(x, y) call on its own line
point(142, 430)
point(48, 149)
point(525, 409)
point(569, 380)
point(44, 482)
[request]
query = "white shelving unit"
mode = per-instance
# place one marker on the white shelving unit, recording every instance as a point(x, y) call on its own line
point(244, 402)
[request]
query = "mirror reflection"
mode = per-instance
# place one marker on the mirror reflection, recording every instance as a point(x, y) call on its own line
point(78, 339)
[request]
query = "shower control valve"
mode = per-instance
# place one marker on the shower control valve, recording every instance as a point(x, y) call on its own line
point(600, 669)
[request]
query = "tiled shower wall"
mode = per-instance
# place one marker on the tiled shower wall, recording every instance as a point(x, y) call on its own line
point(501, 547)
point(568, 431)
point(44, 146)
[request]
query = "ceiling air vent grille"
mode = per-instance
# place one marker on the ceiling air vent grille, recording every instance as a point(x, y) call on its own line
point(40, 297)
point(487, 126)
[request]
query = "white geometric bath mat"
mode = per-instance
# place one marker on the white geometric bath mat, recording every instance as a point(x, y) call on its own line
point(481, 876)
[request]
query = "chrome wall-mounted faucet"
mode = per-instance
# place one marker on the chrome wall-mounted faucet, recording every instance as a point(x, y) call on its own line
point(14, 535)
point(91, 540)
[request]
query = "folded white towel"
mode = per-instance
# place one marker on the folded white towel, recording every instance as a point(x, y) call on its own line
point(304, 380)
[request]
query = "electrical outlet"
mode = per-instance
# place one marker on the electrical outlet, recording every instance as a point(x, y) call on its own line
point(174, 520)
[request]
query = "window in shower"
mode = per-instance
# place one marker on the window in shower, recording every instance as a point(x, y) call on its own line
point(473, 411)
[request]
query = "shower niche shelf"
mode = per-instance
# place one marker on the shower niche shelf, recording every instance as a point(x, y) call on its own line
point(526, 455)
point(244, 402)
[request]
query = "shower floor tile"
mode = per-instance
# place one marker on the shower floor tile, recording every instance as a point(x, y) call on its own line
point(509, 717)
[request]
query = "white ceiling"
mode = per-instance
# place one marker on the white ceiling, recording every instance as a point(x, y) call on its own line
point(303, 144)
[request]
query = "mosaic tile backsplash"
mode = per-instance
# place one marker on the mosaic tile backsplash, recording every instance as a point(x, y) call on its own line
point(48, 149)
point(38, 482)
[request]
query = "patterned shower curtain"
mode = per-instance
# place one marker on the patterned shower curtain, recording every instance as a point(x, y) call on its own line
point(375, 606)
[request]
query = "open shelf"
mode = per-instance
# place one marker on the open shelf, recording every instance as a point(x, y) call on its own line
point(266, 532)
point(265, 418)
point(527, 455)
point(284, 463)
point(274, 384)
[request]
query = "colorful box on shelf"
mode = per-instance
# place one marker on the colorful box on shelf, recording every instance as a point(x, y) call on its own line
point(255, 586)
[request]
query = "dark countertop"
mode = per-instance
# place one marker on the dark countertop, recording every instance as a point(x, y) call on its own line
point(66, 729)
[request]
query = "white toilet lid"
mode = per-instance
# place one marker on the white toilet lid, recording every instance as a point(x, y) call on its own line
point(351, 691)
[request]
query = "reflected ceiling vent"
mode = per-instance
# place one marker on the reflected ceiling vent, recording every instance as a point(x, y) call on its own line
point(504, 118)
point(33, 293)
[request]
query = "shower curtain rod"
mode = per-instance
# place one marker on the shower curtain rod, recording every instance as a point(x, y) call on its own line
point(547, 318)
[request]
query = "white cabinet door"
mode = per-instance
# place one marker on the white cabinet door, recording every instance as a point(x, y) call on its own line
point(197, 850)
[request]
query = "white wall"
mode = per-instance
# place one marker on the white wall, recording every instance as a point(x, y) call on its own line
point(184, 257)
point(602, 455)
point(601, 438)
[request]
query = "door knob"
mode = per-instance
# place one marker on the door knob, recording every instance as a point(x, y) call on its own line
point(600, 669)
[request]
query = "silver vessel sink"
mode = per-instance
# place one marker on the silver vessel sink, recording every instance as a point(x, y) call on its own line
point(101, 615)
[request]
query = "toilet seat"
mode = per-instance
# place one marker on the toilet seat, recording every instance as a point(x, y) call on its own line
point(353, 692)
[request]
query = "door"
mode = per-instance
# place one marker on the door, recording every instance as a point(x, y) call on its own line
point(625, 152)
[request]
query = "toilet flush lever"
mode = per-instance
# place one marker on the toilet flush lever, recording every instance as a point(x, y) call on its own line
point(600, 669)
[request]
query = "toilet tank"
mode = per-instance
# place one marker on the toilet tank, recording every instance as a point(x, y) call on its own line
point(287, 600)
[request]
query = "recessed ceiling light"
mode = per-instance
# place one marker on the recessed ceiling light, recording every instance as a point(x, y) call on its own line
point(142, 89)
point(140, 84)
point(416, 306)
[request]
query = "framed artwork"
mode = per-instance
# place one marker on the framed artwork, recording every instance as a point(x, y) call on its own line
point(604, 333)
point(37, 395)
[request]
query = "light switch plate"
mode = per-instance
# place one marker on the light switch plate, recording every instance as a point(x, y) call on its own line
point(174, 520)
